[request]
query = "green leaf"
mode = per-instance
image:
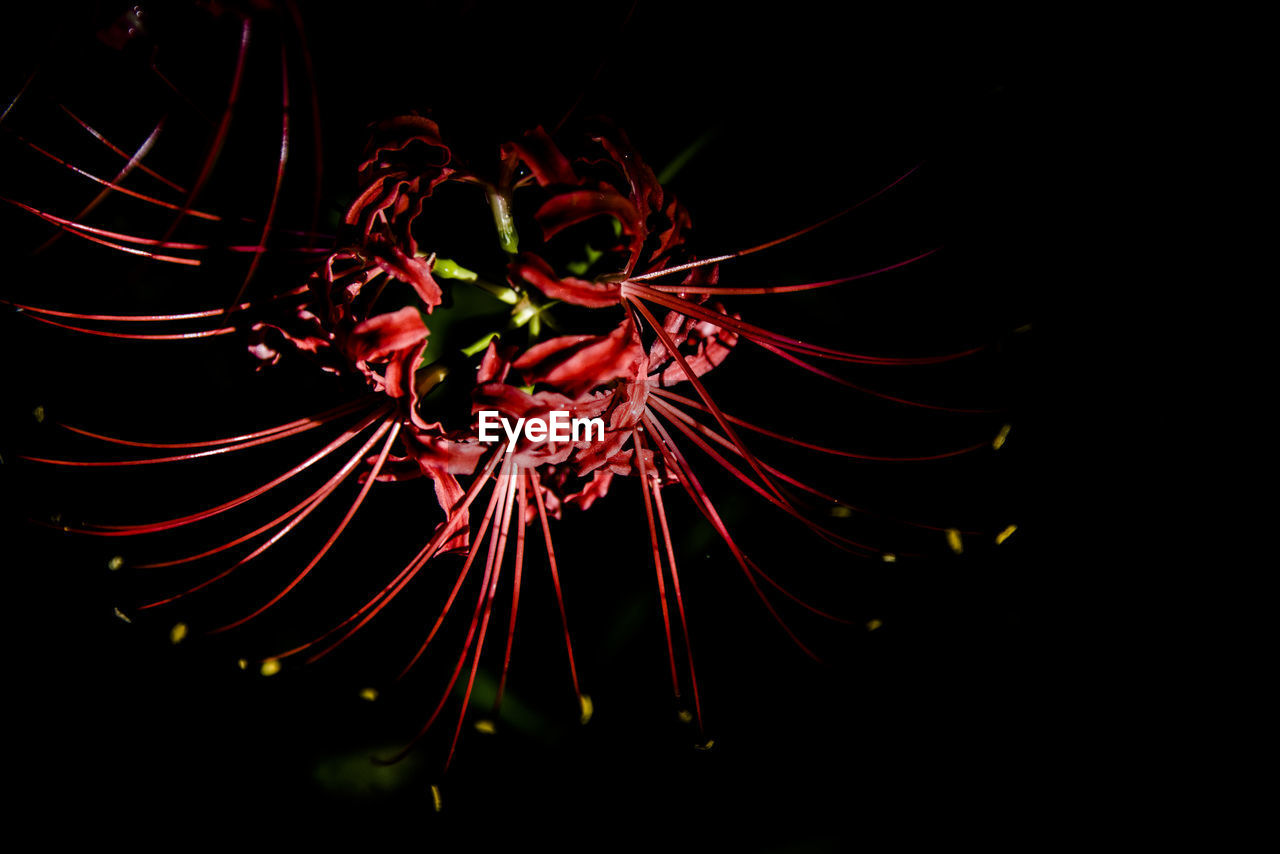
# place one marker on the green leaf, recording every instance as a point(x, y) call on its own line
point(684, 157)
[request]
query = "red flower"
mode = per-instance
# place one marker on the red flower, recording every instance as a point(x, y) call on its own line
point(380, 305)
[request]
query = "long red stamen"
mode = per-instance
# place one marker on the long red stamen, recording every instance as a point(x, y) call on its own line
point(794, 598)
point(89, 233)
point(499, 494)
point(132, 530)
point(762, 336)
point(134, 161)
point(555, 580)
point(704, 504)
point(273, 436)
point(310, 234)
point(692, 377)
point(145, 318)
point(494, 507)
point(315, 497)
point(777, 241)
point(784, 289)
point(668, 395)
point(444, 531)
point(675, 587)
point(515, 593)
point(26, 84)
point(337, 532)
point(141, 166)
point(814, 369)
point(657, 560)
point(783, 504)
point(279, 179)
point(680, 417)
point(138, 336)
point(92, 230)
point(317, 130)
point(115, 185)
point(306, 508)
point(119, 318)
point(309, 422)
point(220, 136)
point(487, 599)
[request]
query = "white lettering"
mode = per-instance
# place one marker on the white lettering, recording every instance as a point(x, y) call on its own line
point(587, 424)
point(559, 426)
point(560, 429)
point(489, 420)
point(512, 434)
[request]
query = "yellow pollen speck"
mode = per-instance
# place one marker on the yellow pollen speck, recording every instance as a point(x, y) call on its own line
point(872, 625)
point(38, 414)
point(177, 633)
point(115, 563)
point(686, 716)
point(707, 745)
point(588, 708)
point(841, 512)
point(1005, 534)
point(435, 798)
point(270, 667)
point(122, 615)
point(998, 441)
point(953, 540)
point(889, 557)
point(243, 664)
point(369, 694)
point(485, 726)
point(1024, 328)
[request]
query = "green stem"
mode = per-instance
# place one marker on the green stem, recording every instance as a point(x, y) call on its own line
point(500, 204)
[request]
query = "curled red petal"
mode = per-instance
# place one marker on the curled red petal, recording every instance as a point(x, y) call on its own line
point(566, 209)
point(528, 269)
point(398, 376)
point(384, 192)
point(441, 459)
point(384, 334)
point(646, 193)
point(516, 403)
point(673, 236)
point(595, 489)
point(414, 271)
point(449, 492)
point(391, 139)
point(405, 161)
point(495, 364)
point(439, 453)
point(541, 155)
point(626, 405)
point(397, 195)
point(712, 344)
point(575, 364)
point(623, 462)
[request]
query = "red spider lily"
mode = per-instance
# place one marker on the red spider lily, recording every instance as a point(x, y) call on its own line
point(369, 312)
point(587, 276)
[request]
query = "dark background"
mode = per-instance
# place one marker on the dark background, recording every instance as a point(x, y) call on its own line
point(949, 719)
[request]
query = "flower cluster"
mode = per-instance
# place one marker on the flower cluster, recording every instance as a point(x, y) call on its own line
point(344, 319)
point(437, 326)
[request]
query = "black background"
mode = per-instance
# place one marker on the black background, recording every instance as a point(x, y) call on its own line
point(949, 719)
